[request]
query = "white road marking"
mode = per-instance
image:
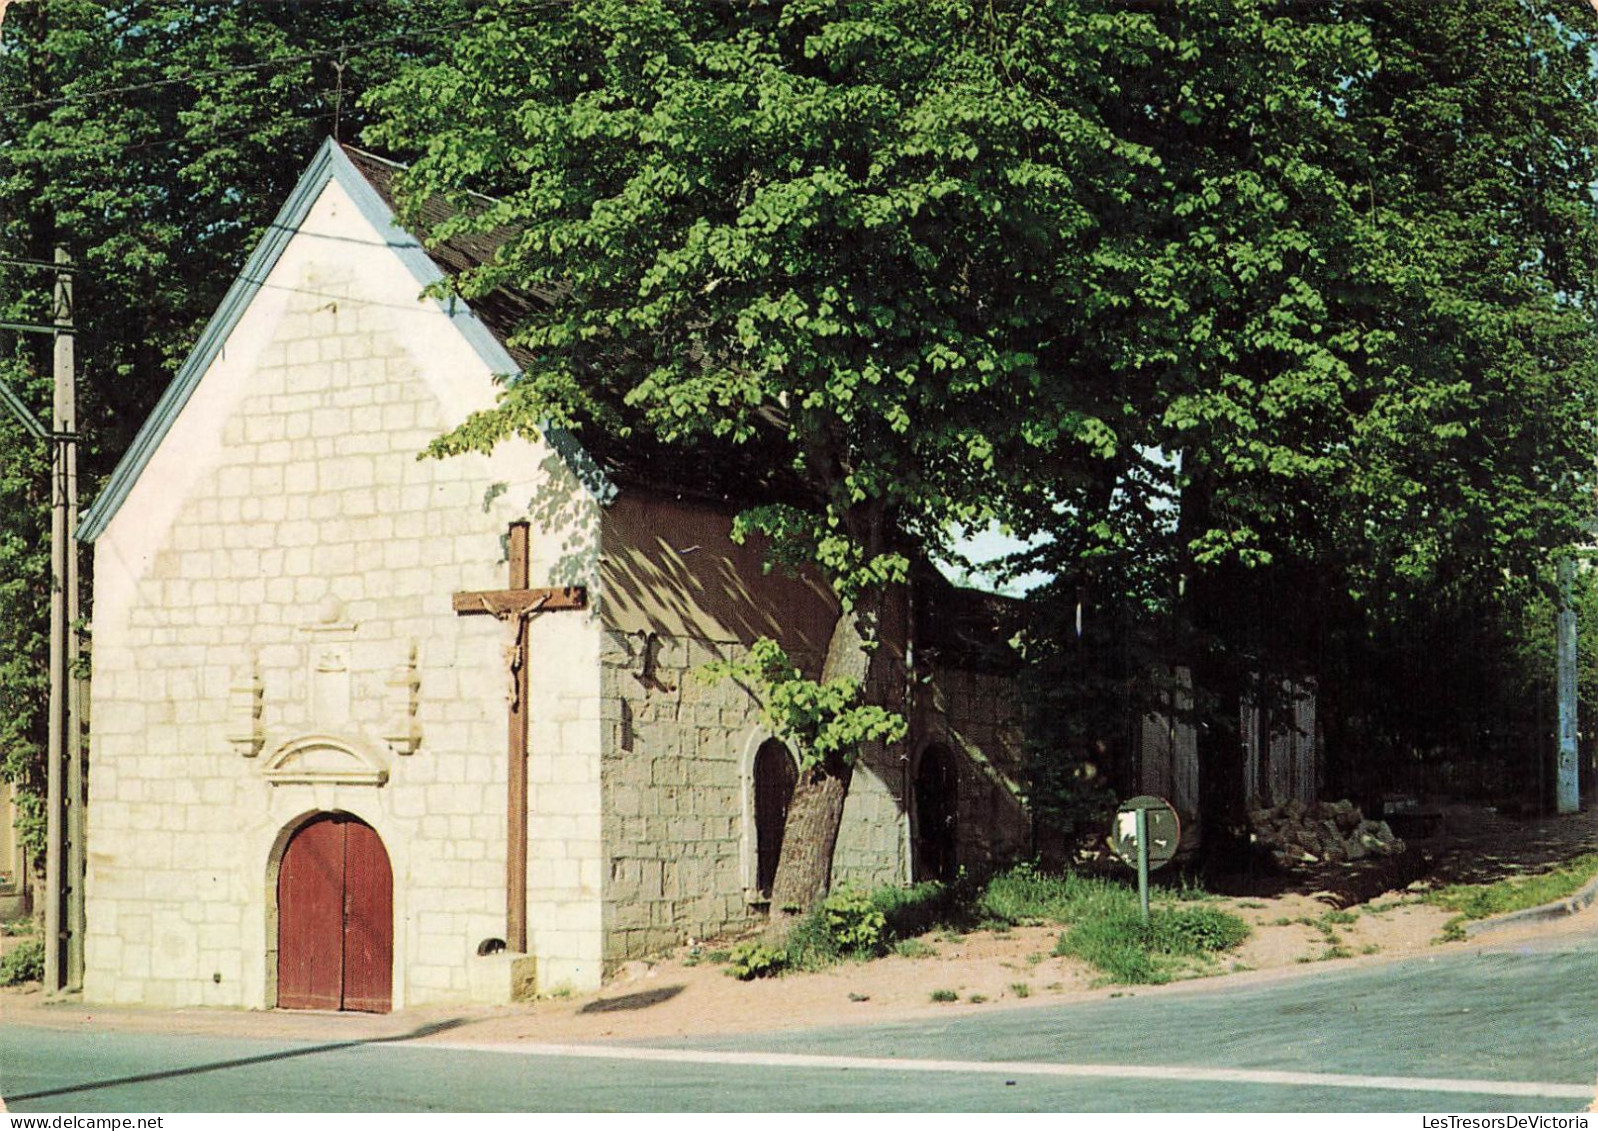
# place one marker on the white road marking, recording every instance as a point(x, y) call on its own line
point(1035, 1068)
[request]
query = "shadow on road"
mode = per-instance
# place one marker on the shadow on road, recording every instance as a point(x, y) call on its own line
point(239, 1062)
point(632, 1001)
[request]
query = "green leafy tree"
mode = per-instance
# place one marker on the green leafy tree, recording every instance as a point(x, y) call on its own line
point(1350, 356)
point(847, 233)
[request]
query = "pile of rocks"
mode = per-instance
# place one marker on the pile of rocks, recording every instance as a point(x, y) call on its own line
point(1329, 832)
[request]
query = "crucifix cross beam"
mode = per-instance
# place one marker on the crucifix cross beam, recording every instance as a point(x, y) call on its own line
point(520, 603)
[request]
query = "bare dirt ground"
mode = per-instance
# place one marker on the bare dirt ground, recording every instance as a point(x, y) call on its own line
point(1301, 924)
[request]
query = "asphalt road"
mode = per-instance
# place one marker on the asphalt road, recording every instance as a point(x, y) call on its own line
point(1491, 1029)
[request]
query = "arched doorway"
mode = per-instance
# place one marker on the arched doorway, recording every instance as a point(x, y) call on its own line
point(775, 775)
point(937, 797)
point(335, 918)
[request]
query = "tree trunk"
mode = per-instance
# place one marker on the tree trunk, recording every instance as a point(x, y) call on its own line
point(1216, 610)
point(810, 834)
point(1223, 808)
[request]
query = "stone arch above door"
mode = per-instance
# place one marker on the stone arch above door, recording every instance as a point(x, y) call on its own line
point(311, 759)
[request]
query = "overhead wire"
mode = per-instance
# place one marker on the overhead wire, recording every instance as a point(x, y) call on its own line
point(302, 57)
point(239, 68)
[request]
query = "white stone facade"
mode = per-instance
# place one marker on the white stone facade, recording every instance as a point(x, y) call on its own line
point(287, 536)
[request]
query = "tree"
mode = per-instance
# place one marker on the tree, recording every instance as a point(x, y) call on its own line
point(1240, 305)
point(847, 231)
point(1353, 355)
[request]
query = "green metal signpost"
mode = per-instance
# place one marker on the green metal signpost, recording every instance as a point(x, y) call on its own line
point(1146, 834)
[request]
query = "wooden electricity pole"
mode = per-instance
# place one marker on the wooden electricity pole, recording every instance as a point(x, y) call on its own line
point(64, 793)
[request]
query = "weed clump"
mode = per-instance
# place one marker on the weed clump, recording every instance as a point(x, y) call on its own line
point(24, 963)
point(1118, 943)
point(1103, 925)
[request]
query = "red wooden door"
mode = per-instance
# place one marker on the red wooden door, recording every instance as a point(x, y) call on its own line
point(335, 916)
point(368, 921)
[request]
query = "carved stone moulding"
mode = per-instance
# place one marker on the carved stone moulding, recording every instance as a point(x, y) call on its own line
point(311, 759)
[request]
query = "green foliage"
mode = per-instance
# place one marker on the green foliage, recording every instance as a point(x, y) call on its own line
point(1190, 931)
point(154, 143)
point(854, 920)
point(819, 720)
point(944, 996)
point(811, 945)
point(1027, 895)
point(1117, 947)
point(23, 963)
point(1104, 926)
point(1115, 940)
point(919, 908)
point(756, 960)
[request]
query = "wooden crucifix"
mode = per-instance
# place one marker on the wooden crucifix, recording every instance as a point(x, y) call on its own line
point(521, 604)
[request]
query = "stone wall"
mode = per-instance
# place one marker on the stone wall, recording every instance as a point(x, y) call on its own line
point(678, 792)
point(284, 570)
point(977, 717)
point(674, 785)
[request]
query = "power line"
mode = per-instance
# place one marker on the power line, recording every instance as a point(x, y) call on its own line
point(32, 264)
point(282, 60)
point(159, 143)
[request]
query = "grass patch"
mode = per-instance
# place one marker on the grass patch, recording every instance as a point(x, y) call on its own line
point(1026, 897)
point(1020, 989)
point(920, 908)
point(1175, 941)
point(1101, 917)
point(1482, 901)
point(945, 996)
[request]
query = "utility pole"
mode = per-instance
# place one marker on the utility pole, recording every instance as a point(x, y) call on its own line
point(1567, 785)
point(64, 857)
point(66, 456)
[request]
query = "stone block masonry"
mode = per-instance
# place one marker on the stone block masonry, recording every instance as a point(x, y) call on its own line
point(679, 838)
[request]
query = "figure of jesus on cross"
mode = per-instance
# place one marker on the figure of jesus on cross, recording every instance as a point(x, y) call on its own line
point(518, 604)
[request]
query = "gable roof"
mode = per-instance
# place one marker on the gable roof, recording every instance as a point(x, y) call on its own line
point(332, 162)
point(717, 472)
point(729, 473)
